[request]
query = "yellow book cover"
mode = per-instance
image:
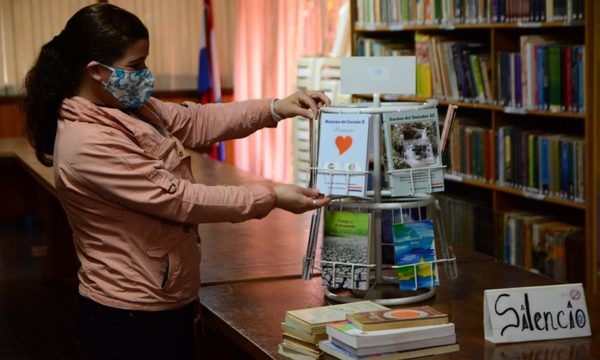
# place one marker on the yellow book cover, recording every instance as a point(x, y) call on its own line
point(314, 320)
point(423, 57)
point(397, 318)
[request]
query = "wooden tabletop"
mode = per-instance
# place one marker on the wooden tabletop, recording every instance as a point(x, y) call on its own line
point(250, 313)
point(20, 149)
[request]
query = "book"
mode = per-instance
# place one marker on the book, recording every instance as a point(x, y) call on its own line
point(349, 334)
point(299, 333)
point(314, 320)
point(343, 154)
point(414, 245)
point(448, 122)
point(397, 318)
point(345, 249)
point(339, 353)
point(297, 352)
point(397, 347)
point(412, 151)
point(294, 355)
point(291, 343)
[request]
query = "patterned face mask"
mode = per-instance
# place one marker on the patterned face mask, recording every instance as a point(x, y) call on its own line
point(130, 88)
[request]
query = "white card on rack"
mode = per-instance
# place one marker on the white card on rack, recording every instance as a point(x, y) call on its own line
point(343, 154)
point(378, 74)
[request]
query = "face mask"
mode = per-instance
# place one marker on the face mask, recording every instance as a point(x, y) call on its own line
point(130, 88)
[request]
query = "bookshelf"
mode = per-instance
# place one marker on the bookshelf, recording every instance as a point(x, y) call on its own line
point(498, 26)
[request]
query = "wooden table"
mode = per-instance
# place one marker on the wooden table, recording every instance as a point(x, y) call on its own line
point(258, 249)
point(250, 313)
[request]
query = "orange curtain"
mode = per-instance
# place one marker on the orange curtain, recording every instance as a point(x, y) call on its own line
point(270, 35)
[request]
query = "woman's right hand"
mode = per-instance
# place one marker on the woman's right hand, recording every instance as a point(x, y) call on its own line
point(297, 199)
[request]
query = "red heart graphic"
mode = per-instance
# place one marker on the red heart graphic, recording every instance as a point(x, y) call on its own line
point(343, 143)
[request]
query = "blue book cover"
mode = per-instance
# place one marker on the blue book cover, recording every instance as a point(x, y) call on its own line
point(414, 243)
point(540, 77)
point(564, 167)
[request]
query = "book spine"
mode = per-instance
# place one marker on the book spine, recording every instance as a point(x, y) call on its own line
point(543, 165)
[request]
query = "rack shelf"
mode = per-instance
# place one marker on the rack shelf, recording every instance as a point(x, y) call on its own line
point(450, 27)
point(515, 191)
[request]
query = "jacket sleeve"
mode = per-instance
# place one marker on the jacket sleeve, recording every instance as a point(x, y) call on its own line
point(197, 125)
point(122, 174)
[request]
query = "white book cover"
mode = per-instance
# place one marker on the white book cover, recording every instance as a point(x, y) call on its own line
point(343, 154)
point(354, 337)
point(395, 347)
point(412, 148)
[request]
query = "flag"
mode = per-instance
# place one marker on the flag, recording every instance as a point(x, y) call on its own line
point(209, 82)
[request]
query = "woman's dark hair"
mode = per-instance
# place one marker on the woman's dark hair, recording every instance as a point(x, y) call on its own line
point(99, 32)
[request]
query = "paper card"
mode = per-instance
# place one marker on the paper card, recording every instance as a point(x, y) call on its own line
point(343, 154)
point(535, 313)
point(378, 74)
point(412, 151)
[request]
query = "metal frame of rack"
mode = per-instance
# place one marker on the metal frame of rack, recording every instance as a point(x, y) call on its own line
point(375, 203)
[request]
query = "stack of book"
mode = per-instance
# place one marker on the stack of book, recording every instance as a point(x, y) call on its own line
point(390, 335)
point(303, 329)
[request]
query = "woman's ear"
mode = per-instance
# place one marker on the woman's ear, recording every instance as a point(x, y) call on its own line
point(94, 68)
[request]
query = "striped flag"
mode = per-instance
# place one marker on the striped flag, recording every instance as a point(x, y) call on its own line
point(209, 82)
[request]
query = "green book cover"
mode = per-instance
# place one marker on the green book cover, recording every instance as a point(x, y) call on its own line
point(476, 69)
point(345, 249)
point(555, 74)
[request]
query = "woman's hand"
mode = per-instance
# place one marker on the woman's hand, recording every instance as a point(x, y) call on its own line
point(302, 103)
point(297, 200)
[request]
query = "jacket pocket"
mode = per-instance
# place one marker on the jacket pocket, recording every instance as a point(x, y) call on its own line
point(163, 179)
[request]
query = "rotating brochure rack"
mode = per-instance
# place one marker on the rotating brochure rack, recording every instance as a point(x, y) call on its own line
point(382, 236)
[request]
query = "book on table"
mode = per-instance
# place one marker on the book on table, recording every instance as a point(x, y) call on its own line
point(314, 320)
point(289, 353)
point(397, 318)
point(358, 342)
point(339, 353)
point(295, 345)
point(299, 333)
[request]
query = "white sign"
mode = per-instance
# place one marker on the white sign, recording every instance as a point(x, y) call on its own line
point(535, 313)
point(378, 75)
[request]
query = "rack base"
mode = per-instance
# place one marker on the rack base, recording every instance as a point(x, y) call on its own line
point(384, 294)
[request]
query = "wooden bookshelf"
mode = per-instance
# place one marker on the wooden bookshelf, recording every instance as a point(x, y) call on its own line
point(504, 36)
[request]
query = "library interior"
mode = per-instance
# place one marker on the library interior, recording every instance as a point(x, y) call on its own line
point(309, 179)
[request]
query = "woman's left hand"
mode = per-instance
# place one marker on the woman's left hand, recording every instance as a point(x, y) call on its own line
point(301, 103)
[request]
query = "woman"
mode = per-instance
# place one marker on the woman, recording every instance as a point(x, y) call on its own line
point(125, 181)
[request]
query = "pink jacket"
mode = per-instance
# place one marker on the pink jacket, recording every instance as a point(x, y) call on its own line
point(128, 192)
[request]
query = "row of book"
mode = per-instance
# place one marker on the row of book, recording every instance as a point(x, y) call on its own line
point(544, 75)
point(399, 13)
point(537, 242)
point(366, 46)
point(453, 70)
point(366, 330)
point(532, 160)
point(543, 244)
point(468, 221)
